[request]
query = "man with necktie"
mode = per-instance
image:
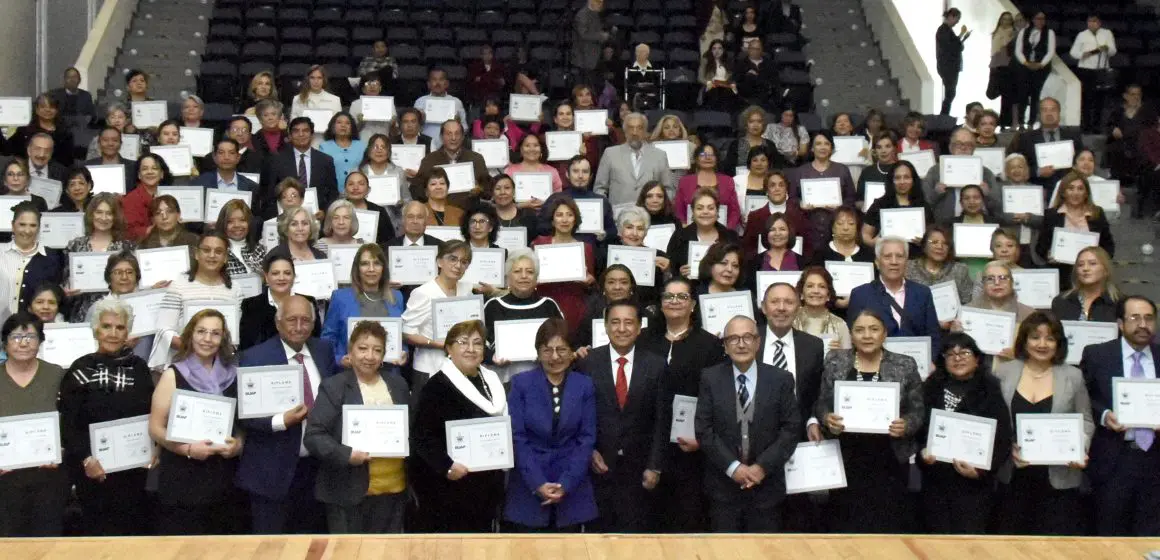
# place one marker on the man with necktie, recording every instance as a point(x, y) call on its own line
point(277, 471)
point(625, 169)
point(297, 159)
point(1124, 463)
point(748, 423)
point(1050, 130)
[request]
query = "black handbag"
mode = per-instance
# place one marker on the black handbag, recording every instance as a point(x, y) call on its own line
point(1106, 77)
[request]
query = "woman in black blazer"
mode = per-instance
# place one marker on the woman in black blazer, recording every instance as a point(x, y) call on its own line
point(258, 312)
point(1093, 294)
point(355, 191)
point(704, 228)
point(957, 497)
point(43, 265)
point(362, 495)
point(1073, 210)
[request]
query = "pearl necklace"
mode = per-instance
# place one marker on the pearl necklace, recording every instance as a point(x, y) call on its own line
point(672, 334)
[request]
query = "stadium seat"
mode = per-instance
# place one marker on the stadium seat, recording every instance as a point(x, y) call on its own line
point(405, 54)
point(540, 37)
point(392, 18)
point(326, 17)
point(401, 35)
point(227, 32)
point(470, 52)
point(297, 35)
point(296, 52)
point(455, 19)
point(499, 38)
point(490, 20)
point(293, 16)
point(261, 33)
point(333, 52)
point(259, 50)
point(221, 50)
point(331, 34)
point(425, 17)
point(441, 54)
point(467, 37)
point(437, 36)
point(362, 35)
point(522, 20)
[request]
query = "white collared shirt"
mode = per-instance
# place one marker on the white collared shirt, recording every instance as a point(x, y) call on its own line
point(775, 208)
point(277, 422)
point(1087, 41)
point(751, 386)
point(297, 158)
point(12, 264)
point(787, 349)
point(630, 356)
point(408, 243)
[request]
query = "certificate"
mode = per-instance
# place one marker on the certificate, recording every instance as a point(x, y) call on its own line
point(320, 118)
point(532, 185)
point(394, 328)
point(130, 146)
point(267, 391)
point(1054, 154)
point(146, 305)
point(525, 108)
point(512, 237)
point(718, 309)
point(993, 159)
point(58, 228)
point(697, 250)
point(922, 160)
point(562, 262)
point(767, 278)
point(1136, 402)
point(814, 467)
point(342, 257)
point(315, 278)
point(1081, 334)
point(600, 334)
point(216, 198)
point(592, 121)
point(821, 192)
point(48, 189)
point(310, 200)
point(907, 223)
point(384, 190)
point(448, 312)
point(255, 177)
point(487, 267)
point(867, 407)
point(439, 110)
point(961, 437)
point(754, 202)
point(960, 171)
point(6, 215)
point(86, 271)
point(848, 150)
point(270, 236)
point(1105, 193)
point(1023, 199)
point(481, 444)
point(591, 214)
point(974, 240)
point(658, 236)
point(199, 140)
point(29, 440)
point(149, 114)
point(641, 261)
point(195, 417)
point(917, 347)
point(121, 445)
point(378, 430)
point(190, 200)
point(408, 156)
point(873, 191)
point(684, 411)
point(247, 285)
point(15, 111)
point(161, 264)
point(460, 177)
point(515, 341)
point(1066, 245)
point(1050, 439)
point(368, 224)
point(677, 152)
point(412, 266)
point(496, 154)
point(445, 233)
point(563, 144)
point(994, 331)
point(849, 275)
point(377, 108)
point(1036, 287)
point(108, 178)
point(177, 157)
point(946, 300)
point(65, 342)
point(230, 311)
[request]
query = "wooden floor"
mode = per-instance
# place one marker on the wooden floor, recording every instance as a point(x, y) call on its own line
point(578, 547)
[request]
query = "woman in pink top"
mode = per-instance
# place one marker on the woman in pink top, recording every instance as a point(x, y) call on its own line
point(704, 175)
point(532, 161)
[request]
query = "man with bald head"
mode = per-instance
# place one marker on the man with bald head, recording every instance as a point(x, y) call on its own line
point(748, 425)
point(625, 169)
point(942, 198)
point(277, 471)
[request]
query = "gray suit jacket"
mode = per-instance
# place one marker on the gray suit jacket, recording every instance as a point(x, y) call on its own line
point(616, 181)
point(587, 35)
point(1070, 396)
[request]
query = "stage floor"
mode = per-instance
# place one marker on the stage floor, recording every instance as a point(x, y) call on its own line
point(577, 547)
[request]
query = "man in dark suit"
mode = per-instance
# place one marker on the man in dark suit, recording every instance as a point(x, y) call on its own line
point(1049, 131)
point(452, 151)
point(1124, 463)
point(41, 147)
point(631, 422)
point(109, 144)
point(907, 306)
point(748, 423)
point(277, 471)
point(949, 55)
point(74, 101)
point(414, 228)
point(756, 77)
point(794, 351)
point(299, 160)
point(226, 155)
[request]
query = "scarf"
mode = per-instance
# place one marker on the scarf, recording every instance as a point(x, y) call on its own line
point(495, 407)
point(211, 382)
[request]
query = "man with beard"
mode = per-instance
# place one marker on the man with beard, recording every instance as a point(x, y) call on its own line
point(625, 169)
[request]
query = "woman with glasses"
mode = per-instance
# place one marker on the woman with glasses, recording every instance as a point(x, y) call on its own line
point(452, 499)
point(453, 258)
point(553, 411)
point(816, 288)
point(167, 230)
point(259, 313)
point(521, 302)
point(956, 496)
point(25, 263)
point(998, 294)
point(569, 295)
point(937, 265)
point(655, 200)
point(1073, 210)
point(122, 274)
point(376, 164)
point(16, 181)
point(703, 229)
point(246, 254)
point(1093, 293)
point(78, 190)
point(34, 497)
point(688, 350)
point(876, 499)
point(369, 295)
point(704, 175)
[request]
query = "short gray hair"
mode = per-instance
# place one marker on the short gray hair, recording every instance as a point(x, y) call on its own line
point(110, 304)
point(195, 99)
point(288, 215)
point(882, 241)
point(635, 115)
point(116, 106)
point(328, 224)
point(632, 215)
point(518, 254)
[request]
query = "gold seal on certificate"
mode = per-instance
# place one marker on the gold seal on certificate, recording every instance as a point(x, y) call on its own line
point(378, 430)
point(481, 444)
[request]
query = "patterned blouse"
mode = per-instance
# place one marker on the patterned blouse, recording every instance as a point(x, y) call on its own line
point(84, 244)
point(251, 261)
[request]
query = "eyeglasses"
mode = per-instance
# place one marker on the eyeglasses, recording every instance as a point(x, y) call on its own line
point(560, 351)
point(733, 340)
point(470, 342)
point(674, 298)
point(117, 272)
point(456, 260)
point(995, 278)
point(960, 355)
point(18, 338)
point(480, 222)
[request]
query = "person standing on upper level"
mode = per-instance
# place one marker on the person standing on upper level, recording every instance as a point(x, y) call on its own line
point(949, 55)
point(1093, 48)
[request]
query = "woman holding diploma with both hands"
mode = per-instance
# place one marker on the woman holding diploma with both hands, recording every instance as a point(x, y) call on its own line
point(362, 495)
point(369, 295)
point(452, 259)
point(207, 281)
point(195, 488)
point(452, 499)
point(875, 499)
point(568, 295)
point(937, 265)
point(704, 228)
point(259, 313)
point(122, 274)
point(521, 302)
point(998, 294)
point(903, 190)
point(110, 384)
point(1073, 210)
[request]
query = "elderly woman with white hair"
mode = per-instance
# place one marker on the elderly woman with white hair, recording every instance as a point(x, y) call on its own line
point(340, 226)
point(192, 111)
point(298, 231)
point(632, 225)
point(520, 303)
point(110, 384)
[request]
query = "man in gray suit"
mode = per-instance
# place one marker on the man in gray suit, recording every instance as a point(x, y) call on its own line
point(748, 426)
point(625, 169)
point(587, 35)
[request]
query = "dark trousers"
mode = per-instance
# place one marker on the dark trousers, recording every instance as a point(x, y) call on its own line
point(741, 515)
point(295, 513)
point(1126, 503)
point(374, 514)
point(1147, 194)
point(956, 510)
point(1092, 100)
point(679, 504)
point(216, 518)
point(32, 503)
point(1033, 85)
point(950, 82)
point(623, 503)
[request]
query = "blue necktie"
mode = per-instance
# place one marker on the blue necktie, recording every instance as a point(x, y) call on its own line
point(743, 392)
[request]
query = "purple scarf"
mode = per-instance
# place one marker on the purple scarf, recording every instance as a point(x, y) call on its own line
point(212, 382)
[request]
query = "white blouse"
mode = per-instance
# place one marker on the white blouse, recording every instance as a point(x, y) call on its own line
point(417, 320)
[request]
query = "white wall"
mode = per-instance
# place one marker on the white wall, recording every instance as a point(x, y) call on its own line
point(18, 63)
point(898, 49)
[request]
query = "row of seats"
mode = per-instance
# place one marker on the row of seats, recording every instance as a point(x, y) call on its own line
point(228, 21)
point(261, 7)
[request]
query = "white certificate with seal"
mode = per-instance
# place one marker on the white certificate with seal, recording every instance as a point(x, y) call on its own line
point(849, 275)
point(65, 342)
point(384, 190)
point(15, 111)
point(1081, 334)
point(993, 331)
point(1105, 193)
point(460, 177)
point(684, 413)
point(562, 262)
point(48, 189)
point(822, 192)
point(412, 266)
point(591, 214)
point(677, 152)
point(658, 236)
point(149, 114)
point(377, 108)
point(448, 312)
point(146, 306)
point(378, 430)
point(408, 156)
point(196, 417)
point(718, 309)
point(697, 250)
point(481, 444)
point(495, 153)
point(7, 201)
point(394, 328)
point(216, 198)
point(1136, 402)
point(487, 267)
point(130, 146)
point(121, 445)
point(268, 390)
point(867, 407)
point(1066, 245)
point(946, 300)
point(199, 140)
point(439, 110)
point(162, 264)
point(515, 341)
point(315, 278)
point(848, 150)
point(86, 271)
point(29, 440)
point(954, 436)
point(974, 240)
point(922, 160)
point(814, 467)
point(641, 261)
point(58, 228)
point(368, 224)
point(1059, 155)
point(1050, 439)
point(592, 121)
point(563, 145)
point(960, 171)
point(1023, 199)
point(532, 185)
point(907, 223)
point(525, 108)
point(917, 347)
point(1036, 287)
point(108, 178)
point(513, 237)
point(190, 199)
point(247, 285)
point(342, 258)
point(177, 157)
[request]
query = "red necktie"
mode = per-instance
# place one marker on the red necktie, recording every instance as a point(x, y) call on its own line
point(621, 383)
point(307, 391)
